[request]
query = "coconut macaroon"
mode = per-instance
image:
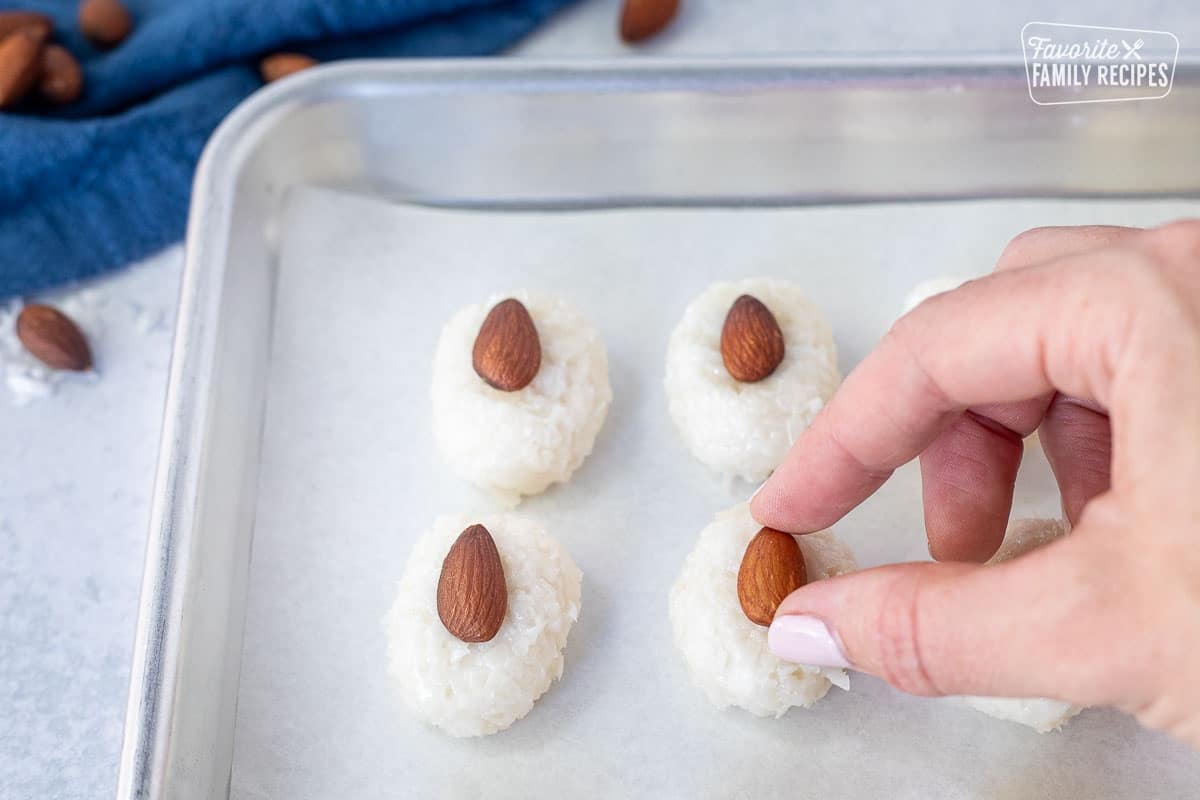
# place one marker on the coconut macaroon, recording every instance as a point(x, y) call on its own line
point(481, 617)
point(1039, 713)
point(934, 286)
point(520, 391)
point(735, 571)
point(748, 367)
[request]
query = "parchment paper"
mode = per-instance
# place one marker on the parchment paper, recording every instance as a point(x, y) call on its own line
point(350, 477)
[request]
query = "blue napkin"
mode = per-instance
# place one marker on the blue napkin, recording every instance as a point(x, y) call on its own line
point(106, 181)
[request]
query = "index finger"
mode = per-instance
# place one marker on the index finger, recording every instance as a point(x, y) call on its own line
point(926, 372)
point(1039, 245)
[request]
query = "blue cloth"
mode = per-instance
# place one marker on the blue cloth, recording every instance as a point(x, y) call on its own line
point(106, 181)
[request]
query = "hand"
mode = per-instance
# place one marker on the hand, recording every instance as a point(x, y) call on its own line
point(1092, 336)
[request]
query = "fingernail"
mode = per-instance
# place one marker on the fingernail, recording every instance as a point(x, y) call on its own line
point(759, 489)
point(805, 640)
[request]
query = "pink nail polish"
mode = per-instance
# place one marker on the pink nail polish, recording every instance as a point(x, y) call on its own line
point(805, 640)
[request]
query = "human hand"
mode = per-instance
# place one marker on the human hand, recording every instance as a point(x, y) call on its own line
point(1092, 336)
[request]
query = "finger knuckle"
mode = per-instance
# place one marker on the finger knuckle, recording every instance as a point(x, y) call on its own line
point(1150, 284)
point(1181, 237)
point(1017, 252)
point(903, 330)
point(898, 639)
point(1135, 283)
point(912, 338)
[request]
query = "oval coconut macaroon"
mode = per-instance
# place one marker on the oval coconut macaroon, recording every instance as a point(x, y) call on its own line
point(480, 620)
point(748, 367)
point(1040, 713)
point(724, 597)
point(931, 288)
point(520, 391)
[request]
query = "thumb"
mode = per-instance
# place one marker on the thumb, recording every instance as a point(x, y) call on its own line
point(1047, 624)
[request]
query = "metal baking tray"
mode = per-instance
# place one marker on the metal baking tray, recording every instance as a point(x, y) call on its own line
point(488, 133)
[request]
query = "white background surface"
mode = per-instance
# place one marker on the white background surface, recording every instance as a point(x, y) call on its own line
point(351, 477)
point(76, 468)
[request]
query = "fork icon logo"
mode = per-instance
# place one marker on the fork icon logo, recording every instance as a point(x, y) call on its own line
point(1131, 50)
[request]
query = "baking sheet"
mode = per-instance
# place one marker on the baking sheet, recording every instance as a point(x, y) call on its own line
point(350, 477)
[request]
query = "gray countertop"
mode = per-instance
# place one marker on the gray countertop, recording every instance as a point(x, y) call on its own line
point(77, 466)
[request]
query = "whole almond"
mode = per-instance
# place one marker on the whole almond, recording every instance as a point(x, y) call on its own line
point(61, 81)
point(280, 65)
point(507, 352)
point(641, 19)
point(20, 64)
point(472, 595)
point(52, 338)
point(105, 22)
point(15, 20)
point(772, 568)
point(751, 340)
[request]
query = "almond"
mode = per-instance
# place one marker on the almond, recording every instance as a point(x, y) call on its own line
point(472, 596)
point(11, 21)
point(507, 352)
point(751, 341)
point(105, 22)
point(53, 338)
point(641, 19)
point(280, 65)
point(61, 81)
point(20, 64)
point(772, 568)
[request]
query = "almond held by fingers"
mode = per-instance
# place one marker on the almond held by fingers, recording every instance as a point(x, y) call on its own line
point(280, 65)
point(52, 338)
point(507, 352)
point(472, 595)
point(61, 80)
point(11, 21)
point(641, 19)
point(20, 64)
point(105, 23)
point(772, 568)
point(751, 340)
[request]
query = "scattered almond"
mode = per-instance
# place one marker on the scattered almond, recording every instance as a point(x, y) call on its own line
point(105, 22)
point(20, 64)
point(61, 80)
point(472, 596)
point(641, 19)
point(52, 338)
point(507, 352)
point(11, 21)
point(751, 340)
point(772, 568)
point(280, 65)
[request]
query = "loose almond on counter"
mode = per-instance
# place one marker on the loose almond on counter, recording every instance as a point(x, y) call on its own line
point(472, 595)
point(772, 568)
point(20, 64)
point(52, 338)
point(11, 21)
point(751, 340)
point(61, 80)
point(507, 352)
point(641, 19)
point(105, 22)
point(280, 65)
